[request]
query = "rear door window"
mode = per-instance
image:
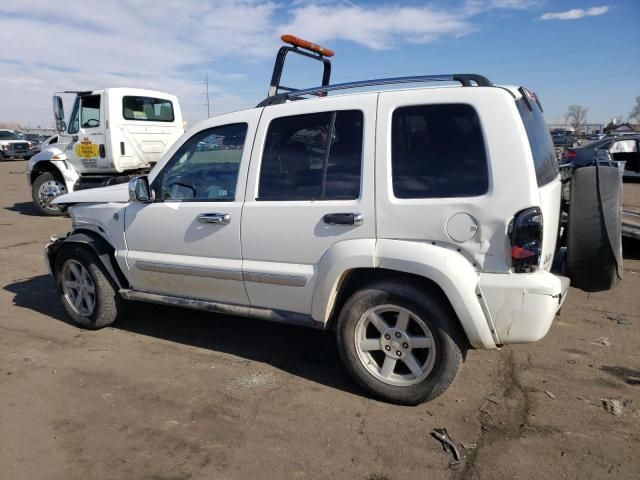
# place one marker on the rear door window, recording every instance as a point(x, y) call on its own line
point(314, 156)
point(540, 142)
point(438, 152)
point(147, 109)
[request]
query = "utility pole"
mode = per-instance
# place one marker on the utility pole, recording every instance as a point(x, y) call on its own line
point(206, 82)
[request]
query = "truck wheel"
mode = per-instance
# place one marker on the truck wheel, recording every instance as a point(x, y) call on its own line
point(45, 188)
point(86, 293)
point(399, 343)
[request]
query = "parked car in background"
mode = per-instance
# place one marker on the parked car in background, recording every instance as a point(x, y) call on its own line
point(36, 140)
point(596, 136)
point(622, 149)
point(12, 146)
point(562, 140)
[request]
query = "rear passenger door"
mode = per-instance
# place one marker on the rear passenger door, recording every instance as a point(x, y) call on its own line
point(310, 186)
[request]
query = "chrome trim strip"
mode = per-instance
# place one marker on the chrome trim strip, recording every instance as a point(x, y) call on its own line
point(284, 279)
point(218, 273)
point(279, 316)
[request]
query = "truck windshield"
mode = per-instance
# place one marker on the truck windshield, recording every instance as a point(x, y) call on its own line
point(7, 135)
point(147, 109)
point(542, 149)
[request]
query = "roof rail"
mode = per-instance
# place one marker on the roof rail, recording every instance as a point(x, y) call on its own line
point(465, 79)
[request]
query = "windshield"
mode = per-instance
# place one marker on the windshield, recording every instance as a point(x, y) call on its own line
point(7, 135)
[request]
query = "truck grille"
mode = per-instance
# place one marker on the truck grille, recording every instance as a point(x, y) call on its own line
point(21, 147)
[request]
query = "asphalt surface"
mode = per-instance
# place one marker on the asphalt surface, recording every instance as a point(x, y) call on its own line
point(174, 394)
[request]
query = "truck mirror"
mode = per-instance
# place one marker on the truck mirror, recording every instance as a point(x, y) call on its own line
point(58, 113)
point(139, 190)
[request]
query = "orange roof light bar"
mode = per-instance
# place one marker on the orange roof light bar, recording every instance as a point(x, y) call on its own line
point(298, 42)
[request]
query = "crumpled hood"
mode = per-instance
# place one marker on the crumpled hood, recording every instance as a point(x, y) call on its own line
point(113, 193)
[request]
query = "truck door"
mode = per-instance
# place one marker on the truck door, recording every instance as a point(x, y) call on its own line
point(86, 147)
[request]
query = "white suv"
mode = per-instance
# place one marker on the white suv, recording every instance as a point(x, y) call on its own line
point(416, 222)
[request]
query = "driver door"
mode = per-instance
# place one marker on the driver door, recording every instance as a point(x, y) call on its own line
point(86, 146)
point(187, 242)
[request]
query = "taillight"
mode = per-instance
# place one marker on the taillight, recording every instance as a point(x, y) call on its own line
point(569, 153)
point(526, 240)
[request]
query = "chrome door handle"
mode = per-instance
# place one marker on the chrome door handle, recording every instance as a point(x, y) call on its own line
point(343, 219)
point(223, 218)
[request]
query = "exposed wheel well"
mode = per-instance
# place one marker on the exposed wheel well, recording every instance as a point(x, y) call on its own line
point(358, 277)
point(99, 247)
point(41, 167)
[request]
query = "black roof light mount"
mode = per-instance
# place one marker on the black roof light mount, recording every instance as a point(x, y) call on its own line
point(281, 94)
point(300, 47)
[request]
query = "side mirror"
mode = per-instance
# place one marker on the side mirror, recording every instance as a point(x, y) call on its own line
point(139, 190)
point(58, 113)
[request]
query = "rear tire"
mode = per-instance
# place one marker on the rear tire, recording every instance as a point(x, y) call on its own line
point(44, 189)
point(85, 290)
point(399, 342)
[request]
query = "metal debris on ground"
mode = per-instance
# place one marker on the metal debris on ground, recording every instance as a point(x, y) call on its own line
point(550, 394)
point(620, 319)
point(632, 380)
point(612, 406)
point(448, 445)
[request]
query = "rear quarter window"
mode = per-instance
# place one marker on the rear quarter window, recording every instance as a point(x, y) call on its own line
point(147, 109)
point(540, 142)
point(438, 151)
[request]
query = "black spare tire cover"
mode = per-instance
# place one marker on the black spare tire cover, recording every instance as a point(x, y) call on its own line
point(594, 236)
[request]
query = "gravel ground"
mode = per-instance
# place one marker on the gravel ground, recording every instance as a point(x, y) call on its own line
point(173, 394)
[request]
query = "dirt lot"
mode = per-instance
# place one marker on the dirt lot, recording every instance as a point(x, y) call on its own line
point(173, 394)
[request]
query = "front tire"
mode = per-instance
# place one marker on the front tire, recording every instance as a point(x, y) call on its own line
point(45, 188)
point(399, 342)
point(86, 293)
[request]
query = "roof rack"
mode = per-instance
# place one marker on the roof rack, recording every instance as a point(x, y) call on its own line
point(465, 79)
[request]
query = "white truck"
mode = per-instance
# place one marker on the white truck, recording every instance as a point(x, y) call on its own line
point(12, 146)
point(112, 135)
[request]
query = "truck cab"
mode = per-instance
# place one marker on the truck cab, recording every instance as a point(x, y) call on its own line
point(110, 135)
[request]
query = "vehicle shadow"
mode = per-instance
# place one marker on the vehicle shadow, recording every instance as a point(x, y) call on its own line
point(25, 208)
point(300, 351)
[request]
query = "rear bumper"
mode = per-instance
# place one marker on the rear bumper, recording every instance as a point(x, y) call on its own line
point(522, 306)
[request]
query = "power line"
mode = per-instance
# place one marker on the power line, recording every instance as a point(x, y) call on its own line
point(207, 99)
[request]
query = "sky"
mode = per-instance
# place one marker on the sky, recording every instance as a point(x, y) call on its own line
point(568, 52)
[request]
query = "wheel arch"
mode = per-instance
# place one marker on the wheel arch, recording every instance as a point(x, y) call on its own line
point(102, 249)
point(45, 166)
point(443, 272)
